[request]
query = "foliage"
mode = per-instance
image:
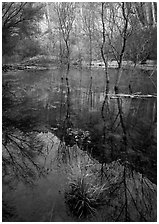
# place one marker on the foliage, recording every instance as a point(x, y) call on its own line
point(142, 45)
point(19, 20)
point(67, 28)
point(27, 48)
point(77, 136)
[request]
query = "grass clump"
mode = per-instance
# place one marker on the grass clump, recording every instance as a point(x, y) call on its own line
point(83, 197)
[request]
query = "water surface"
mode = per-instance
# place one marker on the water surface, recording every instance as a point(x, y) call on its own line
point(48, 101)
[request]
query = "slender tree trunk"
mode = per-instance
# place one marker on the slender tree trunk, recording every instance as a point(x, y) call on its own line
point(50, 29)
point(68, 57)
point(105, 60)
point(119, 74)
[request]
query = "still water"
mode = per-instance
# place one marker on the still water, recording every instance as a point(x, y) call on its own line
point(45, 93)
point(51, 101)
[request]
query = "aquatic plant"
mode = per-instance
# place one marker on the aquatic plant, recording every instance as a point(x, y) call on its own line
point(83, 196)
point(77, 136)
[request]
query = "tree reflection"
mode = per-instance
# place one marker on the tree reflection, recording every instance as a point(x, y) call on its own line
point(20, 146)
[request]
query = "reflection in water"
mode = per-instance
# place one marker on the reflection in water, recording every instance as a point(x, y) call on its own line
point(70, 107)
point(67, 121)
point(74, 101)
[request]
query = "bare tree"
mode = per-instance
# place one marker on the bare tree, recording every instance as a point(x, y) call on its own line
point(88, 26)
point(88, 17)
point(118, 23)
point(104, 55)
point(66, 16)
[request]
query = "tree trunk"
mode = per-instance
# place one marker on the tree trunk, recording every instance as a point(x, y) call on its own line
point(119, 74)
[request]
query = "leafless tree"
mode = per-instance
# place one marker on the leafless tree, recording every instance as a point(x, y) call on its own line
point(66, 16)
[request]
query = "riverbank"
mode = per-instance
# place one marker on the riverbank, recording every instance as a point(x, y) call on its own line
point(43, 62)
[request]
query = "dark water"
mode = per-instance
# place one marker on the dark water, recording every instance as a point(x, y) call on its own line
point(50, 101)
point(44, 94)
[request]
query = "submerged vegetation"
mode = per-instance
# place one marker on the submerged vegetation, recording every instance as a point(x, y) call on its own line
point(79, 139)
point(114, 192)
point(82, 197)
point(95, 186)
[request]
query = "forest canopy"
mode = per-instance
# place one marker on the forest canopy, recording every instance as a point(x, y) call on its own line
point(47, 28)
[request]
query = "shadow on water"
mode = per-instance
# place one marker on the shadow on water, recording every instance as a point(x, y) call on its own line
point(69, 106)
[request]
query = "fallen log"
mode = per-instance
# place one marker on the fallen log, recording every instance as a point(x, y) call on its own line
point(115, 96)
